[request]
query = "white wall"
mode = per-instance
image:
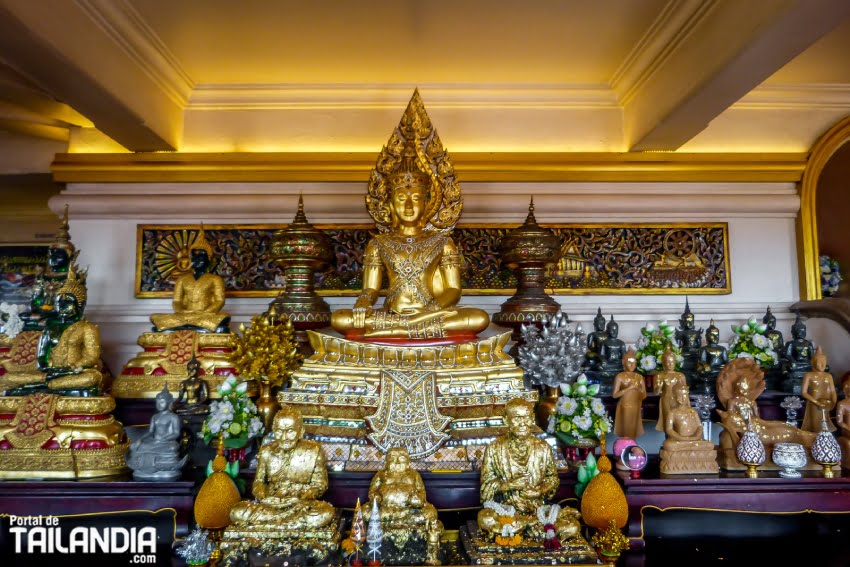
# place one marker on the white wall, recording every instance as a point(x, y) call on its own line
point(761, 234)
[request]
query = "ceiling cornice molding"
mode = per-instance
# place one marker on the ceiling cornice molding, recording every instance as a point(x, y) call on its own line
point(779, 96)
point(120, 21)
point(392, 96)
point(674, 23)
point(471, 166)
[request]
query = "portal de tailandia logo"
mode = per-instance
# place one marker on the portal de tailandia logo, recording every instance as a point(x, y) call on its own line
point(44, 535)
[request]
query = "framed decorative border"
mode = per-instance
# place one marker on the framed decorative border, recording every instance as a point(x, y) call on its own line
point(609, 258)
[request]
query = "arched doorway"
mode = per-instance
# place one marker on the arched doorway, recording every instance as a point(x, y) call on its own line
point(829, 161)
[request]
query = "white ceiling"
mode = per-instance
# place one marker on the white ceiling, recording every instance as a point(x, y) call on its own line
point(538, 75)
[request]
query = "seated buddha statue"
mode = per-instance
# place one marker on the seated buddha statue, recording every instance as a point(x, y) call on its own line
point(797, 357)
point(156, 454)
point(198, 296)
point(689, 340)
point(68, 352)
point(518, 474)
point(60, 257)
point(400, 494)
point(291, 477)
point(422, 265)
point(685, 451)
point(595, 339)
point(712, 358)
point(612, 351)
point(194, 392)
point(772, 333)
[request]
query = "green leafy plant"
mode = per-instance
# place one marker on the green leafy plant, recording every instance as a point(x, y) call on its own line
point(750, 342)
point(578, 414)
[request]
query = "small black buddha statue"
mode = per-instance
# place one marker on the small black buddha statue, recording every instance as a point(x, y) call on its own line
point(594, 342)
point(773, 375)
point(796, 358)
point(689, 340)
point(611, 357)
point(194, 392)
point(712, 358)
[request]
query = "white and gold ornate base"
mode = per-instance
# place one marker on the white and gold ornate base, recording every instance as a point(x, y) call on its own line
point(443, 403)
point(163, 363)
point(47, 436)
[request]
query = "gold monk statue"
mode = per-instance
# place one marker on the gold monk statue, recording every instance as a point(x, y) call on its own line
point(400, 494)
point(198, 295)
point(68, 350)
point(818, 390)
point(291, 477)
point(415, 201)
point(518, 471)
point(665, 381)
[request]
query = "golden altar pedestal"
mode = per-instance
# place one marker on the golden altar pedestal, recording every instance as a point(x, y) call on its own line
point(442, 403)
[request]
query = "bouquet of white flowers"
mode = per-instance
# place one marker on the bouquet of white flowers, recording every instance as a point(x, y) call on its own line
point(652, 343)
point(578, 414)
point(751, 342)
point(234, 416)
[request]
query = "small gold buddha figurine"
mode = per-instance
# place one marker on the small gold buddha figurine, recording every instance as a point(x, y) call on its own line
point(415, 209)
point(405, 512)
point(818, 390)
point(198, 296)
point(518, 472)
point(685, 451)
point(630, 390)
point(68, 350)
point(665, 381)
point(194, 392)
point(842, 418)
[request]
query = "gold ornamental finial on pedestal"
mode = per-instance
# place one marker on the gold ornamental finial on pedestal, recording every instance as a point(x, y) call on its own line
point(218, 494)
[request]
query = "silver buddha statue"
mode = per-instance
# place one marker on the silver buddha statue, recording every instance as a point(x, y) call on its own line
point(156, 454)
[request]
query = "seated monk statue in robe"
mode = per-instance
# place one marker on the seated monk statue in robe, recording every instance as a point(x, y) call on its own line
point(422, 265)
point(685, 451)
point(68, 350)
point(518, 471)
point(291, 477)
point(198, 296)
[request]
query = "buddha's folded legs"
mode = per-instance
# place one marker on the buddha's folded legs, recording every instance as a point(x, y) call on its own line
point(89, 378)
point(304, 514)
point(10, 381)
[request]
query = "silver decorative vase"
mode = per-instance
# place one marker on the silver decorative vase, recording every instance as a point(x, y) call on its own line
point(789, 456)
point(825, 450)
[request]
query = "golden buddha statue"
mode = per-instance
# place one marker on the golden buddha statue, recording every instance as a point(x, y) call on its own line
point(198, 328)
point(738, 386)
point(55, 421)
point(405, 512)
point(518, 477)
point(422, 265)
point(818, 390)
point(411, 374)
point(68, 351)
point(286, 512)
point(198, 295)
point(842, 418)
point(685, 451)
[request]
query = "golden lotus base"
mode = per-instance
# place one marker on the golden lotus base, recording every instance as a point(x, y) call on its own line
point(305, 546)
point(454, 394)
point(482, 552)
point(728, 461)
point(163, 361)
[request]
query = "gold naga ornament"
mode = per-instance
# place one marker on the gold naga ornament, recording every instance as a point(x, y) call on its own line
point(412, 374)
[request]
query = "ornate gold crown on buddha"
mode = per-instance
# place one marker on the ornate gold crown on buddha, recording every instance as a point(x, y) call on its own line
point(414, 155)
point(75, 285)
point(201, 243)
